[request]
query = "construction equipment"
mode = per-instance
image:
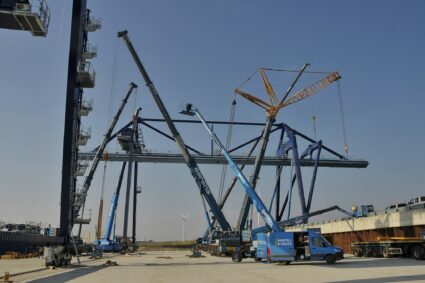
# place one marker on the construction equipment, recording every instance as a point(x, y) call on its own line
point(391, 246)
point(81, 197)
point(280, 246)
point(190, 161)
point(362, 210)
point(107, 243)
point(56, 256)
point(33, 16)
point(272, 108)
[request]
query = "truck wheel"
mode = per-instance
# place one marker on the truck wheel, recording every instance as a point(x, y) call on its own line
point(237, 257)
point(367, 252)
point(376, 252)
point(330, 259)
point(269, 260)
point(418, 252)
point(386, 253)
point(357, 252)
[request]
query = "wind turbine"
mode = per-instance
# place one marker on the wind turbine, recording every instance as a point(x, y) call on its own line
point(184, 218)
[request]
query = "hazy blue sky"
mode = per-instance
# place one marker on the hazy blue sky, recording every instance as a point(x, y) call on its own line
point(199, 51)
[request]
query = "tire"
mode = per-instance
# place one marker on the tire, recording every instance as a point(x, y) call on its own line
point(367, 252)
point(386, 253)
point(330, 259)
point(257, 259)
point(376, 252)
point(287, 262)
point(357, 252)
point(418, 252)
point(237, 257)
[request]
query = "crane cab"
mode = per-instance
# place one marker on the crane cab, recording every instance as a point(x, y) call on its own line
point(31, 16)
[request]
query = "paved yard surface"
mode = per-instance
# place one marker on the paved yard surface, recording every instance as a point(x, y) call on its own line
point(174, 266)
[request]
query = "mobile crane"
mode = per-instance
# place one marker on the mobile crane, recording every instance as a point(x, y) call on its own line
point(81, 197)
point(204, 189)
point(278, 245)
point(106, 243)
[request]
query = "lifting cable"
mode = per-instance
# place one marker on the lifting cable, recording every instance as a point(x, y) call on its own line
point(248, 79)
point(341, 108)
point(295, 71)
point(228, 140)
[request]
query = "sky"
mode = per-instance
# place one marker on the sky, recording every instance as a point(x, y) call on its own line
point(199, 52)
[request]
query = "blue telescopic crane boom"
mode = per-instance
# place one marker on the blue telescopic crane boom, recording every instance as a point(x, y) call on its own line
point(190, 161)
point(256, 200)
point(98, 157)
point(114, 205)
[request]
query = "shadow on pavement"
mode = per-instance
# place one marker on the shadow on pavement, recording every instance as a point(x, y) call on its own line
point(365, 263)
point(185, 263)
point(63, 277)
point(377, 262)
point(406, 278)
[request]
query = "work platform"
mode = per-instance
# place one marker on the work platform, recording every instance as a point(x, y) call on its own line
point(21, 15)
point(218, 159)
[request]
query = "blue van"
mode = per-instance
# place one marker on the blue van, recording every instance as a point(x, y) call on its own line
point(296, 246)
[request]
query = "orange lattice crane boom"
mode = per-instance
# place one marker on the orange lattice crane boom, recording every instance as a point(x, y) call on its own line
point(273, 106)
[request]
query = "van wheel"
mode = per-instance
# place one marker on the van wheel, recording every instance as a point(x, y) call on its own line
point(237, 257)
point(418, 252)
point(330, 259)
point(386, 253)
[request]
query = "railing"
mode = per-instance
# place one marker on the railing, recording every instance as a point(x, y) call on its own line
point(81, 168)
point(86, 67)
point(93, 24)
point(90, 51)
point(86, 74)
point(40, 8)
point(86, 107)
point(84, 136)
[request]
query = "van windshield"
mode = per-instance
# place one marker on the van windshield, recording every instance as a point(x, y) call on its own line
point(325, 241)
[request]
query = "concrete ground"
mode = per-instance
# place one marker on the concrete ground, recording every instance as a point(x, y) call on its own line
point(175, 266)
